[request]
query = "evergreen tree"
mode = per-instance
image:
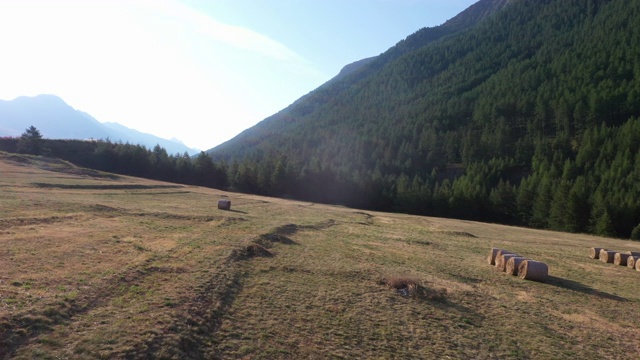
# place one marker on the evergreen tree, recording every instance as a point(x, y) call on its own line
point(603, 225)
point(204, 170)
point(541, 204)
point(577, 210)
point(635, 234)
point(30, 141)
point(558, 210)
point(504, 204)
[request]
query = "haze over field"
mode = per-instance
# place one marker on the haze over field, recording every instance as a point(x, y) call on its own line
point(195, 70)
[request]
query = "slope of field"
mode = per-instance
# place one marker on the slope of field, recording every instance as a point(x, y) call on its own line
point(98, 266)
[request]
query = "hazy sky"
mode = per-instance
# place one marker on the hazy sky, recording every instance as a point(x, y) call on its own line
point(197, 70)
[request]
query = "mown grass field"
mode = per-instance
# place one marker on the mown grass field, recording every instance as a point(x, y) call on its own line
point(96, 266)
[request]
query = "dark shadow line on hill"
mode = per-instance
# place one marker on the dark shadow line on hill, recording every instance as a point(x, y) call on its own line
point(581, 288)
point(237, 211)
point(24, 221)
point(291, 229)
point(274, 237)
point(147, 193)
point(108, 211)
point(104, 186)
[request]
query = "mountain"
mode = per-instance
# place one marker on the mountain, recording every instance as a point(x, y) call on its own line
point(173, 146)
point(57, 120)
point(519, 112)
point(350, 77)
point(51, 115)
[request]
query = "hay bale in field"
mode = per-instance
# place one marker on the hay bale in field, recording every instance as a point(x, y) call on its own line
point(607, 256)
point(631, 262)
point(600, 256)
point(638, 264)
point(501, 262)
point(595, 252)
point(620, 259)
point(491, 259)
point(533, 270)
point(499, 254)
point(224, 204)
point(633, 253)
point(513, 264)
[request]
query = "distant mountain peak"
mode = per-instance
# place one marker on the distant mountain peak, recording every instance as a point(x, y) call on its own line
point(43, 98)
point(57, 120)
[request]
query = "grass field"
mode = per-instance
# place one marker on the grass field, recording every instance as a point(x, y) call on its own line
point(96, 266)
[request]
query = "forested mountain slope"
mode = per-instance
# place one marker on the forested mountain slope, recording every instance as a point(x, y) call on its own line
point(352, 75)
point(528, 117)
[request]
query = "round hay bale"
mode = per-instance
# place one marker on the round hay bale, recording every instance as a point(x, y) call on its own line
point(499, 254)
point(631, 262)
point(638, 264)
point(501, 263)
point(224, 204)
point(491, 259)
point(620, 259)
point(607, 256)
point(595, 252)
point(533, 270)
point(513, 264)
point(633, 253)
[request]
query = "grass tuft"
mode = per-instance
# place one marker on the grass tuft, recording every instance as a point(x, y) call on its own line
point(412, 287)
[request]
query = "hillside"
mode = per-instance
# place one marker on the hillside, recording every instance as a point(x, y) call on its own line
point(102, 266)
point(352, 75)
point(57, 120)
point(527, 115)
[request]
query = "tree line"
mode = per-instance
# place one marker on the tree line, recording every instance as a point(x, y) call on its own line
point(597, 190)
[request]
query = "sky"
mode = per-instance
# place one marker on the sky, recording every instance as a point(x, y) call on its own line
point(201, 71)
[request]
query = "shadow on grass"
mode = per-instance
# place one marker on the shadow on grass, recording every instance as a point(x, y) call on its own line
point(275, 237)
point(192, 330)
point(237, 211)
point(581, 288)
point(104, 186)
point(290, 229)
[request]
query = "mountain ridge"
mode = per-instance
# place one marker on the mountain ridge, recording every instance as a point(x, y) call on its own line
point(358, 70)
